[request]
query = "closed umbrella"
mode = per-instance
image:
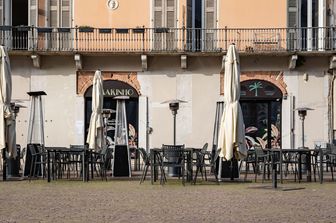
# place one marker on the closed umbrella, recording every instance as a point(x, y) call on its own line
point(7, 122)
point(231, 139)
point(95, 137)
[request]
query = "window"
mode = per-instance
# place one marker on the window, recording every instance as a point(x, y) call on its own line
point(164, 24)
point(59, 13)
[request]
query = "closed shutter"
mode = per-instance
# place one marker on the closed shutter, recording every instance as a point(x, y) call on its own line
point(209, 24)
point(1, 12)
point(65, 13)
point(170, 23)
point(33, 9)
point(292, 14)
point(53, 16)
point(164, 17)
point(293, 22)
point(158, 13)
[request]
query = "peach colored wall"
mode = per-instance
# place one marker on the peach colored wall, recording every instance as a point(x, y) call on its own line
point(130, 13)
point(252, 14)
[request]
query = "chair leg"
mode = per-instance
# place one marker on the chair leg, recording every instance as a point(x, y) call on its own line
point(31, 167)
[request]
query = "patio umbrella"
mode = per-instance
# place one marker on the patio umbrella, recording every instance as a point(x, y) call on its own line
point(7, 121)
point(95, 137)
point(231, 139)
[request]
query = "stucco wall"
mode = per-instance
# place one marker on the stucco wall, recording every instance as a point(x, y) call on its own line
point(63, 110)
point(129, 14)
point(246, 14)
point(164, 80)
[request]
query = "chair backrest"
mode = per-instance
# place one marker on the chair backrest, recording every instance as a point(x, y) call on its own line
point(144, 154)
point(77, 147)
point(215, 157)
point(173, 153)
point(32, 149)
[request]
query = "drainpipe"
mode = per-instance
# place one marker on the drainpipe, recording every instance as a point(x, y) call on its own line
point(331, 107)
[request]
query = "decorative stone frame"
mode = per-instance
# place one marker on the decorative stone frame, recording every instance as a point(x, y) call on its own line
point(85, 79)
point(274, 77)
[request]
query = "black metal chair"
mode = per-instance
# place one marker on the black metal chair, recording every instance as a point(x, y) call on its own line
point(257, 158)
point(98, 161)
point(204, 160)
point(146, 162)
point(173, 156)
point(38, 161)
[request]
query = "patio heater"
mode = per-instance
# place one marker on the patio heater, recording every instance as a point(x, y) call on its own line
point(121, 154)
point(174, 106)
point(302, 114)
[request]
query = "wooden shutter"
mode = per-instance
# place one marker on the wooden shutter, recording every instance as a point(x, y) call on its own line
point(53, 15)
point(170, 14)
point(33, 9)
point(1, 13)
point(209, 14)
point(209, 24)
point(292, 20)
point(158, 14)
point(65, 13)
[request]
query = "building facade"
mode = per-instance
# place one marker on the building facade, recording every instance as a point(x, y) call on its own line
point(156, 50)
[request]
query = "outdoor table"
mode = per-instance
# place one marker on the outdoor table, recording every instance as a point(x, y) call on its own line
point(64, 150)
point(300, 152)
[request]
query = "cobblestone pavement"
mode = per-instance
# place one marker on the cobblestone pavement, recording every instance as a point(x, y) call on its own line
point(128, 201)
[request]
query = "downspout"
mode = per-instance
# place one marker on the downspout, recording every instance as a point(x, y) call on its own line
point(331, 106)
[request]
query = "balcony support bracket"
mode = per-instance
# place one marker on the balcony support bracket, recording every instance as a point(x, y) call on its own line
point(144, 62)
point(184, 61)
point(36, 60)
point(332, 64)
point(223, 63)
point(292, 62)
point(78, 61)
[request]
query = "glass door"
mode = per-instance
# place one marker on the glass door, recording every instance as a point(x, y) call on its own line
point(262, 123)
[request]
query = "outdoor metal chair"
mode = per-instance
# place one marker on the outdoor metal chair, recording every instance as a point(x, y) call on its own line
point(38, 161)
point(204, 160)
point(173, 156)
point(257, 158)
point(146, 162)
point(98, 162)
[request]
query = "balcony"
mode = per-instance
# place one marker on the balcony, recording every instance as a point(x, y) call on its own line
point(165, 40)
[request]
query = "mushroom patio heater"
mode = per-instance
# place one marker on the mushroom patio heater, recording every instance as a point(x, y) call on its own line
point(174, 106)
point(302, 114)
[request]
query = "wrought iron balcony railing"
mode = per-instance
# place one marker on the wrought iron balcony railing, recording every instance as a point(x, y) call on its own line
point(166, 40)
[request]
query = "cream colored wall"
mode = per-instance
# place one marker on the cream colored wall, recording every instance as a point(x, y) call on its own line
point(195, 119)
point(252, 14)
point(62, 108)
point(199, 85)
point(129, 14)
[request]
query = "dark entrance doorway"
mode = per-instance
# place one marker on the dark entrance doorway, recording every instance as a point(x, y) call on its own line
point(261, 105)
point(194, 21)
point(20, 18)
point(112, 89)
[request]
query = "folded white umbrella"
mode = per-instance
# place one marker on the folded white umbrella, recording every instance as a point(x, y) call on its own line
point(231, 137)
point(7, 121)
point(95, 137)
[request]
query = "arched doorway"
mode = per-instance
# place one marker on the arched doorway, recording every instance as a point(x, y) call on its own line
point(114, 88)
point(261, 105)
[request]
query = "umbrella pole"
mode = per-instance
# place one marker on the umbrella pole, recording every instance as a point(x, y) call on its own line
point(220, 168)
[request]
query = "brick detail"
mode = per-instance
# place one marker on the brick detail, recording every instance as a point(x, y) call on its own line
point(85, 78)
point(274, 77)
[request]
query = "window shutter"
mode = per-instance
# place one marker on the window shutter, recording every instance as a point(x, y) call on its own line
point(1, 12)
point(65, 13)
point(158, 13)
point(33, 12)
point(209, 14)
point(53, 18)
point(292, 19)
point(170, 19)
